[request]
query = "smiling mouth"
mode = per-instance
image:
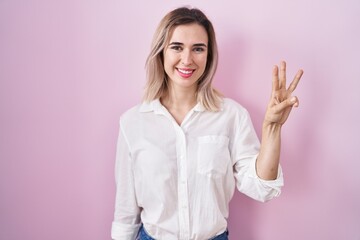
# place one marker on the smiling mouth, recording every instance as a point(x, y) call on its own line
point(185, 73)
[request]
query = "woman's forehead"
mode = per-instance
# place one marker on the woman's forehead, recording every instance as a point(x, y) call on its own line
point(189, 34)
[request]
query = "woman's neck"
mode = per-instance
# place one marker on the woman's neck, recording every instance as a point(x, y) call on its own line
point(180, 99)
point(179, 103)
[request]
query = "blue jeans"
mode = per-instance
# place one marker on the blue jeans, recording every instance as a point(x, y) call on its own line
point(143, 235)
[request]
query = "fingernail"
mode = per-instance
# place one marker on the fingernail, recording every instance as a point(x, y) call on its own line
point(293, 99)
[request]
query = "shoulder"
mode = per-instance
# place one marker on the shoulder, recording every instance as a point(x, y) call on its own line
point(130, 115)
point(235, 112)
point(139, 113)
point(231, 106)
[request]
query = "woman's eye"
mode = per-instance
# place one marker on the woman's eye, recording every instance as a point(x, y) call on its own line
point(199, 49)
point(176, 48)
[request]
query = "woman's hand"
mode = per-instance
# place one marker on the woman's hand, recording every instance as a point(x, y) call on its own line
point(281, 101)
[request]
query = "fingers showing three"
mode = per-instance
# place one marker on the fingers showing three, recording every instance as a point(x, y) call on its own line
point(282, 101)
point(279, 79)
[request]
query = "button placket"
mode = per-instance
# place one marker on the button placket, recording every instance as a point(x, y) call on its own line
point(183, 203)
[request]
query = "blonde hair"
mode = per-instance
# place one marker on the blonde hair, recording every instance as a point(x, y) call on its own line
point(157, 85)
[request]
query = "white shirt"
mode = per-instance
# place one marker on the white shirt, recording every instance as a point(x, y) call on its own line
point(178, 180)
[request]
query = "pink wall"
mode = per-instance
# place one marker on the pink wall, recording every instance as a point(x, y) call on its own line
point(68, 69)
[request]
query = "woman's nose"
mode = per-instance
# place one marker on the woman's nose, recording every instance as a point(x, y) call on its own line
point(186, 57)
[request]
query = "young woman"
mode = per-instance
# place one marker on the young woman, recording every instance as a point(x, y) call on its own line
point(182, 152)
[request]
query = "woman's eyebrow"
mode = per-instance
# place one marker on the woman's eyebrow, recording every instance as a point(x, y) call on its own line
point(199, 45)
point(195, 45)
point(176, 43)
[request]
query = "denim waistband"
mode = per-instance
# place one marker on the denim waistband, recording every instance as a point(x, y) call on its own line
point(143, 235)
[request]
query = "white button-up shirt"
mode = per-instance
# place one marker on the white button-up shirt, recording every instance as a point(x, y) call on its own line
point(177, 180)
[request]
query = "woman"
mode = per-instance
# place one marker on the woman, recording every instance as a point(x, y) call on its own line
point(182, 152)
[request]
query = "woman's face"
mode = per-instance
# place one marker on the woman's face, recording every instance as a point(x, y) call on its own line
point(185, 56)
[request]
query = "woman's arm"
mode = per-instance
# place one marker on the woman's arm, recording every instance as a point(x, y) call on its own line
point(126, 222)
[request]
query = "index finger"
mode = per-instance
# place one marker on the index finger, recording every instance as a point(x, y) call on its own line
point(296, 80)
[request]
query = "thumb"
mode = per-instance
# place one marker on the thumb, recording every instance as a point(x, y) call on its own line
point(290, 102)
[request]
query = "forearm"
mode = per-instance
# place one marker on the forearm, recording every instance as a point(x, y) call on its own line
point(268, 160)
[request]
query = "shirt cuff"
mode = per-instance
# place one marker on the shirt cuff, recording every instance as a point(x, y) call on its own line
point(265, 190)
point(259, 189)
point(121, 231)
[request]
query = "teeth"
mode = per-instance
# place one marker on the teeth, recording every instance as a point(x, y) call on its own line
point(185, 71)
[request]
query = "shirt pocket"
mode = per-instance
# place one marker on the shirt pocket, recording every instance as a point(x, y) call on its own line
point(213, 155)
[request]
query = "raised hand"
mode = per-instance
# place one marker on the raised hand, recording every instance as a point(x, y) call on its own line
point(277, 112)
point(282, 101)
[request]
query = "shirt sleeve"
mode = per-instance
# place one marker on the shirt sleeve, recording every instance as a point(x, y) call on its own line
point(126, 222)
point(245, 150)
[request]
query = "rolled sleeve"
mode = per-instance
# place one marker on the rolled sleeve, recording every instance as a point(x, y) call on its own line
point(255, 187)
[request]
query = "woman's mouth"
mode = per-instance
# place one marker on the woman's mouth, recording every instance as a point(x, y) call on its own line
point(185, 72)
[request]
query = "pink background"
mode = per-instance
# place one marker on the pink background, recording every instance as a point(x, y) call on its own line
point(68, 69)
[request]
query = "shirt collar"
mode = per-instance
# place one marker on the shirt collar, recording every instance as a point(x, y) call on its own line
point(156, 106)
point(150, 106)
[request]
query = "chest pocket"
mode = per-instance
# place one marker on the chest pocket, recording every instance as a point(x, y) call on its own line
point(213, 155)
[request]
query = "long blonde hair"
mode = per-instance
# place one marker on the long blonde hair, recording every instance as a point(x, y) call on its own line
point(157, 85)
